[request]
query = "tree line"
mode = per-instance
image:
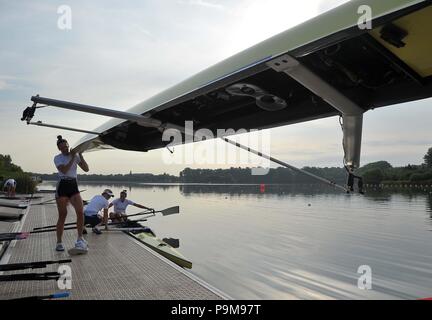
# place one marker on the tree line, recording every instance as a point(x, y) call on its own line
point(376, 172)
point(9, 170)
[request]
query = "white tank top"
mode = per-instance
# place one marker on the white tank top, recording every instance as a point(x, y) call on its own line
point(61, 159)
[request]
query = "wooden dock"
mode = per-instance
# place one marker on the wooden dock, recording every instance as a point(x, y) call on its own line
point(116, 266)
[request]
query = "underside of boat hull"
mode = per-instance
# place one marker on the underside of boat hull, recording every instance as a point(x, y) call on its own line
point(360, 64)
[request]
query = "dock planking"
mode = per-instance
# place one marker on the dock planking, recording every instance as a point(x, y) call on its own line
point(116, 266)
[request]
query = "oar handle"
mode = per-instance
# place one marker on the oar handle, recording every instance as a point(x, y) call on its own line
point(51, 296)
point(50, 229)
point(53, 226)
point(59, 295)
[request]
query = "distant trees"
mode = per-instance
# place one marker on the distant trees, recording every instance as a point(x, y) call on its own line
point(375, 172)
point(428, 158)
point(381, 165)
point(373, 176)
point(244, 175)
point(382, 171)
point(130, 177)
point(7, 165)
point(8, 169)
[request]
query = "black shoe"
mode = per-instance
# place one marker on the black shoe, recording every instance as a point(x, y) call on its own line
point(84, 231)
point(97, 231)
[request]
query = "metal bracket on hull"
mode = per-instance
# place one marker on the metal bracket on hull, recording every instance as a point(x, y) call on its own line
point(352, 134)
point(352, 114)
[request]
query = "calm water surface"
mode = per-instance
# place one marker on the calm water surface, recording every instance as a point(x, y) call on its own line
point(296, 242)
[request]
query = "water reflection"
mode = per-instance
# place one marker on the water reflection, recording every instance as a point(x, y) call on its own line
point(373, 194)
point(429, 204)
point(294, 189)
point(128, 185)
point(248, 189)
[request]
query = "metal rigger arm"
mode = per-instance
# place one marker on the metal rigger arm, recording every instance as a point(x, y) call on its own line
point(351, 113)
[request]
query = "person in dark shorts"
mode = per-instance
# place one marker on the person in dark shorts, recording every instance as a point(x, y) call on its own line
point(97, 205)
point(67, 192)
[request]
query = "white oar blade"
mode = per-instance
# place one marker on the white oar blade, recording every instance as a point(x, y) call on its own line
point(172, 210)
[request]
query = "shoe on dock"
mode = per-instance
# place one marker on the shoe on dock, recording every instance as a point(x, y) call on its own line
point(96, 230)
point(60, 247)
point(80, 248)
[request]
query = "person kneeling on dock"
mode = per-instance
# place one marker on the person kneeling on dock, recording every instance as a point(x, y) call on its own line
point(92, 210)
point(10, 187)
point(120, 205)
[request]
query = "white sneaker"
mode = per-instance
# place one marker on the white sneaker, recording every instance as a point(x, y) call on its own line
point(60, 247)
point(80, 247)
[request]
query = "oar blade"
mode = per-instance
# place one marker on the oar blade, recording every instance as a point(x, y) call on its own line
point(23, 236)
point(14, 236)
point(172, 210)
point(175, 243)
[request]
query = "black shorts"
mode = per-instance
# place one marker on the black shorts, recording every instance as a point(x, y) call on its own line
point(92, 220)
point(67, 188)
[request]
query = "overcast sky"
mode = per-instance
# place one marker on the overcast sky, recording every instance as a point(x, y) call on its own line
point(119, 53)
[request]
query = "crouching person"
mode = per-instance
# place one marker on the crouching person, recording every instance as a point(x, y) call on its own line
point(92, 212)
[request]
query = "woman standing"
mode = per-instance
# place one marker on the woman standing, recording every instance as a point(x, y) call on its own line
point(67, 191)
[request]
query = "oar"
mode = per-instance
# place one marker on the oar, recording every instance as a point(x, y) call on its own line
point(10, 219)
point(14, 236)
point(51, 296)
point(125, 222)
point(45, 202)
point(165, 212)
point(30, 276)
point(45, 191)
point(23, 198)
point(127, 229)
point(50, 200)
point(85, 202)
point(74, 227)
point(25, 235)
point(175, 243)
point(54, 226)
point(30, 265)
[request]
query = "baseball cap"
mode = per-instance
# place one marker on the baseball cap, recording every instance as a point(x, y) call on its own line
point(108, 192)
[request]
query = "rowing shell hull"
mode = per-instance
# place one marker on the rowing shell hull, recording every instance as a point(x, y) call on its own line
point(13, 202)
point(164, 249)
point(266, 85)
point(10, 212)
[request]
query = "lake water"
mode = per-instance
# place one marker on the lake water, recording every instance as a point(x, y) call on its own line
point(296, 242)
